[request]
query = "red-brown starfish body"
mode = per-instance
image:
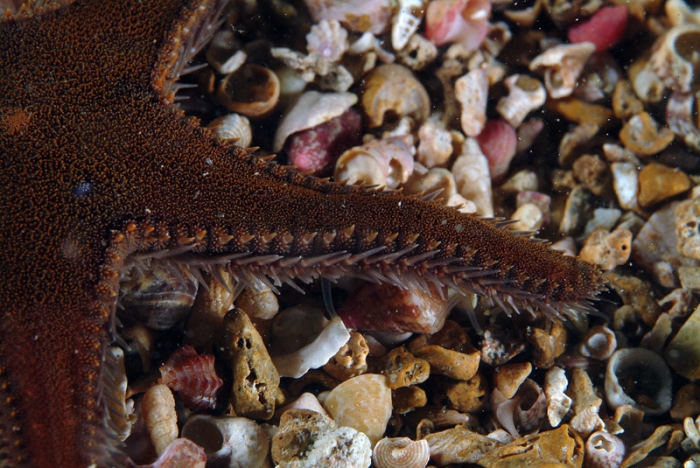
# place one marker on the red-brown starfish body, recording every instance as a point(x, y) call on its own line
point(97, 165)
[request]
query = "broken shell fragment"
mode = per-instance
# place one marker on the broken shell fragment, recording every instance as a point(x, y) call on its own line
point(228, 442)
point(473, 178)
point(158, 411)
point(457, 21)
point(401, 452)
point(251, 90)
point(471, 90)
point(418, 53)
point(642, 135)
point(405, 21)
point(386, 162)
point(328, 39)
point(459, 445)
point(310, 110)
point(392, 89)
point(562, 65)
point(435, 145)
point(255, 379)
point(598, 343)
point(181, 453)
point(351, 360)
point(675, 58)
point(525, 94)
point(315, 354)
point(233, 127)
point(558, 402)
point(645, 377)
point(604, 450)
point(362, 403)
point(357, 15)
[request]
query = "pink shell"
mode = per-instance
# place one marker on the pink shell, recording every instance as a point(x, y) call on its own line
point(193, 377)
point(463, 21)
point(604, 29)
point(317, 149)
point(181, 453)
point(498, 142)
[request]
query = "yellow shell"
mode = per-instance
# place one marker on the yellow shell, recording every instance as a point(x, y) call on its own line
point(393, 89)
point(362, 403)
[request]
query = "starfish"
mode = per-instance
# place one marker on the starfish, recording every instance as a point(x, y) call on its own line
point(99, 166)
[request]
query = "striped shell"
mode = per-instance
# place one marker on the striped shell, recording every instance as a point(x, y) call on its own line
point(193, 377)
point(401, 452)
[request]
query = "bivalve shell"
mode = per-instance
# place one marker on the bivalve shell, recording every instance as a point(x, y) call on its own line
point(363, 403)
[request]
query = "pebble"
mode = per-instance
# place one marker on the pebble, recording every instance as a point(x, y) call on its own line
point(459, 445)
point(688, 228)
point(561, 447)
point(509, 377)
point(255, 378)
point(689, 278)
point(607, 250)
point(636, 293)
point(625, 183)
point(403, 369)
point(325, 445)
point(468, 396)
point(658, 183)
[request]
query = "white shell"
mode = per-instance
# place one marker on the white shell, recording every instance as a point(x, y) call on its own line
point(311, 109)
point(562, 65)
point(232, 442)
point(328, 39)
point(657, 379)
point(401, 452)
point(472, 175)
point(520, 102)
point(316, 354)
point(405, 21)
point(386, 162)
point(472, 90)
point(233, 127)
point(670, 64)
point(158, 412)
point(558, 402)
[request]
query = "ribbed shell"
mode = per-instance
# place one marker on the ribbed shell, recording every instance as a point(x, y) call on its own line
point(193, 377)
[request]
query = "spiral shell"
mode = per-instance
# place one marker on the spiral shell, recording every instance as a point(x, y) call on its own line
point(158, 411)
point(233, 127)
point(193, 377)
point(393, 89)
point(251, 90)
point(401, 452)
point(159, 294)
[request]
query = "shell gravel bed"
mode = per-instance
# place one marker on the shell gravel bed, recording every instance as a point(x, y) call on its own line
point(576, 119)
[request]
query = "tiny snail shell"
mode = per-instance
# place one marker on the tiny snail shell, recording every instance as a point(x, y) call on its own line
point(401, 452)
point(158, 412)
point(251, 90)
